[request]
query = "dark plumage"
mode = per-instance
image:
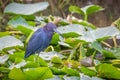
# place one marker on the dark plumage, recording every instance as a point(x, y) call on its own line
point(40, 39)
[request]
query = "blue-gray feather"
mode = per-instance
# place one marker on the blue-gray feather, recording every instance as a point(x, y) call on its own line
point(40, 39)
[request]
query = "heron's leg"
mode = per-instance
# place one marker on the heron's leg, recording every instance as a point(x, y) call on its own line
point(37, 58)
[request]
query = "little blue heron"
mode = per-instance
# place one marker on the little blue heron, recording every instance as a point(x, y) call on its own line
point(40, 39)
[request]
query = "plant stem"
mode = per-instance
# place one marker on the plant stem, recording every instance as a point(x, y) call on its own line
point(85, 17)
point(114, 41)
point(52, 48)
point(73, 52)
point(108, 45)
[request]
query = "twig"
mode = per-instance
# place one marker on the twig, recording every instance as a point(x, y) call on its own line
point(108, 45)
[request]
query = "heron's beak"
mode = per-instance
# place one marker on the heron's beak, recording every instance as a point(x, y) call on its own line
point(55, 30)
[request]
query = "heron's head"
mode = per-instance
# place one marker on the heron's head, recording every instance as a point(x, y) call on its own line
point(52, 27)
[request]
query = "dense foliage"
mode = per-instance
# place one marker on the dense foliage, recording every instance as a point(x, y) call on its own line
point(83, 54)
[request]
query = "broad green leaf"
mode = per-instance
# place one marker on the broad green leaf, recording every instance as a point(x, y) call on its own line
point(87, 24)
point(9, 41)
point(75, 9)
point(108, 71)
point(113, 53)
point(19, 65)
point(91, 9)
point(31, 64)
point(17, 55)
point(25, 9)
point(71, 71)
point(100, 34)
point(4, 70)
point(63, 22)
point(3, 58)
point(55, 39)
point(97, 46)
point(70, 34)
point(34, 58)
point(16, 74)
point(2, 34)
point(71, 78)
point(85, 77)
point(87, 71)
point(55, 78)
point(42, 62)
point(72, 42)
point(49, 55)
point(40, 73)
point(74, 28)
point(108, 54)
point(97, 78)
point(21, 24)
point(57, 71)
point(56, 59)
point(18, 59)
point(116, 52)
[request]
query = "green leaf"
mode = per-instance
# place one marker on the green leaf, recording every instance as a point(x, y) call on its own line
point(49, 55)
point(19, 65)
point(71, 71)
point(87, 24)
point(72, 42)
point(108, 71)
point(97, 78)
point(40, 73)
point(85, 77)
point(73, 28)
point(87, 71)
point(4, 70)
point(96, 45)
point(99, 34)
point(40, 60)
point(75, 9)
point(55, 78)
point(72, 78)
point(16, 74)
point(25, 9)
point(9, 41)
point(55, 39)
point(31, 64)
point(2, 34)
point(56, 59)
point(57, 71)
point(91, 9)
point(3, 58)
point(108, 54)
point(116, 52)
point(21, 24)
point(17, 56)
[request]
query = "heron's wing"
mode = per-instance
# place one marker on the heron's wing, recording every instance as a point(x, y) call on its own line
point(35, 42)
